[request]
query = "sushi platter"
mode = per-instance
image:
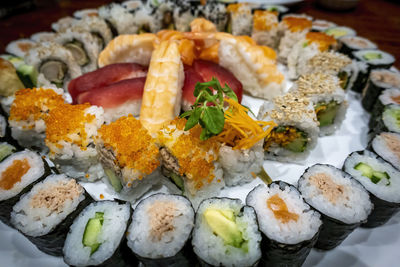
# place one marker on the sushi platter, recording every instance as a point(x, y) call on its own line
point(154, 133)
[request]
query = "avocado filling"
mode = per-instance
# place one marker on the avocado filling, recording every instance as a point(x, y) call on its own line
point(369, 172)
point(394, 113)
point(113, 179)
point(54, 71)
point(28, 75)
point(336, 33)
point(344, 79)
point(372, 55)
point(6, 150)
point(223, 224)
point(326, 112)
point(78, 52)
point(287, 137)
point(92, 232)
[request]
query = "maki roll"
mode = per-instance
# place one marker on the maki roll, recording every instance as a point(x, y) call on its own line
point(342, 201)
point(379, 80)
point(320, 25)
point(63, 24)
point(119, 19)
point(226, 233)
point(387, 146)
point(28, 113)
point(87, 12)
point(98, 28)
point(349, 44)
point(70, 140)
point(20, 47)
point(239, 19)
point(43, 37)
point(216, 13)
point(340, 31)
point(328, 99)
point(96, 235)
point(389, 121)
point(297, 131)
point(387, 97)
point(162, 13)
point(160, 231)
point(45, 213)
point(279, 9)
point(18, 173)
point(376, 59)
point(265, 28)
point(128, 154)
point(184, 13)
point(289, 226)
point(382, 182)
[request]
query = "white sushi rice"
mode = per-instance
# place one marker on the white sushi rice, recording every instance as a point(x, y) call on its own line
point(299, 56)
point(293, 231)
point(357, 42)
point(97, 27)
point(20, 47)
point(63, 23)
point(174, 211)
point(241, 20)
point(119, 17)
point(288, 41)
point(6, 103)
point(387, 145)
point(385, 58)
point(42, 219)
point(388, 192)
point(388, 96)
point(43, 37)
point(389, 118)
point(212, 249)
point(385, 78)
point(129, 107)
point(115, 217)
point(35, 171)
point(339, 196)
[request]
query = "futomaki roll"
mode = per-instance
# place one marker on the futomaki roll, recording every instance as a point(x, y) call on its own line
point(387, 146)
point(382, 182)
point(45, 213)
point(320, 25)
point(160, 231)
point(340, 31)
point(388, 121)
point(342, 201)
point(20, 47)
point(18, 173)
point(226, 233)
point(387, 97)
point(96, 235)
point(349, 44)
point(290, 227)
point(375, 59)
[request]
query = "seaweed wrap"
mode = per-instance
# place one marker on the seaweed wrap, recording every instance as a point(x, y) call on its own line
point(226, 233)
point(376, 59)
point(379, 80)
point(340, 31)
point(359, 77)
point(381, 180)
point(45, 213)
point(387, 146)
point(387, 97)
point(160, 231)
point(289, 226)
point(342, 201)
point(388, 121)
point(18, 173)
point(349, 44)
point(97, 235)
point(70, 140)
point(297, 131)
point(28, 112)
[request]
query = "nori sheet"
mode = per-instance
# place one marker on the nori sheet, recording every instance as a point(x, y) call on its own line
point(6, 206)
point(347, 50)
point(361, 81)
point(382, 212)
point(370, 95)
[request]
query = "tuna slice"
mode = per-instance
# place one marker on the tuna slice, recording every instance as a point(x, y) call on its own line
point(105, 76)
point(191, 78)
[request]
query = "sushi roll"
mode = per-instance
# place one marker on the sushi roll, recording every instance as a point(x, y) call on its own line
point(279, 9)
point(265, 28)
point(83, 47)
point(184, 13)
point(70, 140)
point(128, 155)
point(54, 62)
point(359, 76)
point(118, 19)
point(95, 238)
point(19, 172)
point(340, 31)
point(292, 29)
point(45, 213)
point(63, 24)
point(87, 12)
point(190, 162)
point(387, 97)
point(297, 131)
point(320, 25)
point(388, 121)
point(28, 113)
point(43, 37)
point(160, 231)
point(98, 28)
point(214, 12)
point(239, 19)
point(376, 59)
point(226, 233)
point(379, 80)
point(289, 226)
point(162, 13)
point(20, 47)
point(382, 182)
point(328, 99)
point(342, 201)
point(387, 146)
point(349, 44)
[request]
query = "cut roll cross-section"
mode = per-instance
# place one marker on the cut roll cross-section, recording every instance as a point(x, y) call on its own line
point(163, 88)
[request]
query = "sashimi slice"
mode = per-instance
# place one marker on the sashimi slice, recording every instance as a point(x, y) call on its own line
point(191, 78)
point(105, 76)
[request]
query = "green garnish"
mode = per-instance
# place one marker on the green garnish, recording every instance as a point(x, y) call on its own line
point(208, 109)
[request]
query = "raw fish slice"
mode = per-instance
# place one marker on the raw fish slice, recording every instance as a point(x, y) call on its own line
point(191, 78)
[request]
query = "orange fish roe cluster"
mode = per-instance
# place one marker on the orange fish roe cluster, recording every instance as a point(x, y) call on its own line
point(323, 40)
point(282, 138)
point(131, 143)
point(264, 20)
point(34, 104)
point(195, 157)
point(296, 24)
point(67, 123)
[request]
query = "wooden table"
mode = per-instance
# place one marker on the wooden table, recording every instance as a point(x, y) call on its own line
point(377, 20)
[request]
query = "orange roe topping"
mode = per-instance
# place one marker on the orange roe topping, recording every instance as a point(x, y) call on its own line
point(264, 20)
point(14, 173)
point(282, 138)
point(67, 123)
point(323, 40)
point(296, 24)
point(195, 157)
point(34, 104)
point(101, 196)
point(240, 7)
point(280, 210)
point(131, 143)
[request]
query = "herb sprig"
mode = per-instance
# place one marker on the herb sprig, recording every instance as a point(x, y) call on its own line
point(210, 117)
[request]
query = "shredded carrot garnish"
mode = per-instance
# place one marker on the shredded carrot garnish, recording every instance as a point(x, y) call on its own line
point(240, 130)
